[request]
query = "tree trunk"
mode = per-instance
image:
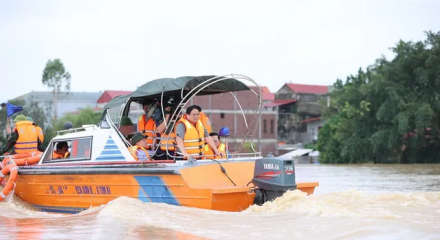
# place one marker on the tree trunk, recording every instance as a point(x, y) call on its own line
point(55, 107)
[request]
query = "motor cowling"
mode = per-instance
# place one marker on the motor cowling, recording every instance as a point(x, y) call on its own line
point(273, 177)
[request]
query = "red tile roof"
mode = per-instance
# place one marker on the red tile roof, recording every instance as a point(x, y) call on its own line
point(264, 89)
point(268, 96)
point(310, 120)
point(303, 88)
point(265, 92)
point(109, 95)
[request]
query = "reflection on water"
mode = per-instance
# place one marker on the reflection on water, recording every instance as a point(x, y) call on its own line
point(352, 202)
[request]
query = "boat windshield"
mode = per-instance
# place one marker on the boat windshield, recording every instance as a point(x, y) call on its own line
point(69, 149)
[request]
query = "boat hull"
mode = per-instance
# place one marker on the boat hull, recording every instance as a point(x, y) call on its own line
point(202, 186)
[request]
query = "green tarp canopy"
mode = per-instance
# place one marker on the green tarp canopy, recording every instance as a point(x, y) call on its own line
point(174, 86)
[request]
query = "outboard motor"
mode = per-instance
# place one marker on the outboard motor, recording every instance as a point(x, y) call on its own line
point(273, 177)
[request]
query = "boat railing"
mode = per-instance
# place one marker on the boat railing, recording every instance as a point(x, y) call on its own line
point(74, 130)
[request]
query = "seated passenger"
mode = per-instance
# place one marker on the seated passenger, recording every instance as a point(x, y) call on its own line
point(24, 138)
point(221, 147)
point(167, 143)
point(191, 135)
point(138, 150)
point(61, 151)
point(148, 125)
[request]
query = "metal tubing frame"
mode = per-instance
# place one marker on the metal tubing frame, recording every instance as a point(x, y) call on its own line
point(191, 94)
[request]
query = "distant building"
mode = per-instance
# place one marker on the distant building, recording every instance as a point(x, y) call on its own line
point(299, 110)
point(67, 101)
point(109, 95)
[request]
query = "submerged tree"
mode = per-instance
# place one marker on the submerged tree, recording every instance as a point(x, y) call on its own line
point(56, 77)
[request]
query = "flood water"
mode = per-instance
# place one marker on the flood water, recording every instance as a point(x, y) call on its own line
point(352, 202)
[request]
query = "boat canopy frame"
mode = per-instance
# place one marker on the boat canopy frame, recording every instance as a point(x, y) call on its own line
point(192, 86)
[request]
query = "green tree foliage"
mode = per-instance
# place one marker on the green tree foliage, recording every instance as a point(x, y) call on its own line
point(55, 77)
point(389, 112)
point(310, 146)
point(85, 116)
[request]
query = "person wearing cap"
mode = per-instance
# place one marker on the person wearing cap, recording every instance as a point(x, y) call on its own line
point(148, 125)
point(138, 150)
point(39, 130)
point(221, 147)
point(23, 139)
point(191, 135)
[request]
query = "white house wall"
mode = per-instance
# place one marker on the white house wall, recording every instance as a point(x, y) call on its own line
point(312, 128)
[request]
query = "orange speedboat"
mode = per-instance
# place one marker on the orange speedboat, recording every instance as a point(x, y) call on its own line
point(101, 168)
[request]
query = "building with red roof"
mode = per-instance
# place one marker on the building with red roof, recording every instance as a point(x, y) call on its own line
point(304, 88)
point(299, 111)
point(109, 95)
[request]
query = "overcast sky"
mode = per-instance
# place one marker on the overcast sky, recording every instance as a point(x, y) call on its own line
point(109, 45)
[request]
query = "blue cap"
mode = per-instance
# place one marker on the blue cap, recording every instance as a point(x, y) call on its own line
point(157, 114)
point(68, 125)
point(224, 132)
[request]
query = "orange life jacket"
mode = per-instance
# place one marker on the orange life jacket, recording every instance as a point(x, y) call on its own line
point(205, 121)
point(27, 137)
point(210, 154)
point(168, 141)
point(133, 150)
point(147, 128)
point(40, 133)
point(56, 155)
point(194, 137)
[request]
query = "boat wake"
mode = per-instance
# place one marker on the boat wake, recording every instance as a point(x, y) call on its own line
point(339, 215)
point(353, 204)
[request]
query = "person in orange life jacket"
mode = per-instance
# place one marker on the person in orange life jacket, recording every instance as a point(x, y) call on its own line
point(148, 124)
point(24, 138)
point(62, 151)
point(138, 150)
point(190, 129)
point(167, 143)
point(39, 130)
point(205, 121)
point(220, 146)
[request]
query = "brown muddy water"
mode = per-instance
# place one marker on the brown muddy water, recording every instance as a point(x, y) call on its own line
point(352, 202)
